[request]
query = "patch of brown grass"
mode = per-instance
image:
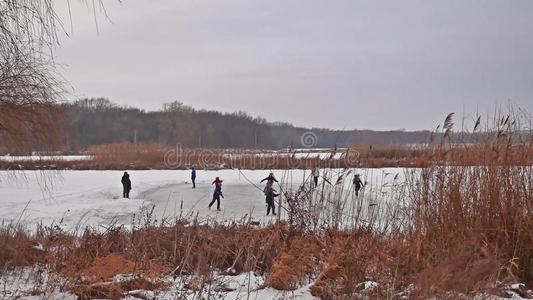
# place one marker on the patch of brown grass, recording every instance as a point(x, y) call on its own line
point(296, 264)
point(109, 266)
point(354, 257)
point(462, 273)
point(113, 290)
point(18, 248)
point(336, 261)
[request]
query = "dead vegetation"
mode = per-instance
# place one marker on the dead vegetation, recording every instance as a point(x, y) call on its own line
point(464, 228)
point(29, 83)
point(129, 156)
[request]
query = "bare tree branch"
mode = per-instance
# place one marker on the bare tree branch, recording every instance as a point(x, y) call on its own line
point(30, 84)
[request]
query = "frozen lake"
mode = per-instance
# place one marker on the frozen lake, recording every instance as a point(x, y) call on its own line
point(75, 199)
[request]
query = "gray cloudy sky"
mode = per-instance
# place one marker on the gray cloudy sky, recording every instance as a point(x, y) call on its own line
point(337, 64)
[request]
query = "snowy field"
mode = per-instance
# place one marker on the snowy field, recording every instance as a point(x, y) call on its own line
point(243, 286)
point(75, 199)
point(323, 154)
point(10, 158)
point(18, 284)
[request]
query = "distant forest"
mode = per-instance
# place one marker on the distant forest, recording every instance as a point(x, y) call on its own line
point(98, 121)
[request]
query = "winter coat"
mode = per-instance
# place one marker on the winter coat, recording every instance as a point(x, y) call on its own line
point(218, 189)
point(270, 179)
point(357, 182)
point(270, 194)
point(126, 182)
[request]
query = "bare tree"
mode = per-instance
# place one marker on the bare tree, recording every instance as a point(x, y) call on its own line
point(29, 82)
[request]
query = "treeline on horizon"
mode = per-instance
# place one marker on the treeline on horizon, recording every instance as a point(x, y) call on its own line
point(98, 121)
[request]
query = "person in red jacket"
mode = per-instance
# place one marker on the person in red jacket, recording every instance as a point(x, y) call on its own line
point(217, 193)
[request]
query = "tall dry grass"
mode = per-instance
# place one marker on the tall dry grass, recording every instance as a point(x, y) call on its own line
point(120, 156)
point(453, 226)
point(473, 224)
point(157, 156)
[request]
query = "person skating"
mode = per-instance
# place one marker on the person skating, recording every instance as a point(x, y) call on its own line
point(126, 185)
point(193, 176)
point(357, 184)
point(270, 194)
point(217, 193)
point(270, 180)
point(315, 174)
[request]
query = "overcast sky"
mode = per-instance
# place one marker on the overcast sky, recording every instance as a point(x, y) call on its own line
point(336, 64)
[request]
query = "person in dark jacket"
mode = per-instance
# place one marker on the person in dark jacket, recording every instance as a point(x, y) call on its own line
point(270, 180)
point(315, 174)
point(270, 194)
point(126, 185)
point(193, 176)
point(357, 184)
point(217, 193)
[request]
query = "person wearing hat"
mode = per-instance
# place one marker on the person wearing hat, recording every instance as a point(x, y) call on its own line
point(126, 185)
point(217, 193)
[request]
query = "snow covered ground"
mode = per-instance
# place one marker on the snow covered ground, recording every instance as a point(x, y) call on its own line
point(11, 158)
point(35, 283)
point(325, 153)
point(75, 199)
point(22, 283)
point(242, 286)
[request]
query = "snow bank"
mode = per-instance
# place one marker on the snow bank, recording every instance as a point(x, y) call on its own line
point(10, 158)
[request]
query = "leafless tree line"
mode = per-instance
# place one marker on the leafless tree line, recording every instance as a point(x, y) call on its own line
point(98, 121)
